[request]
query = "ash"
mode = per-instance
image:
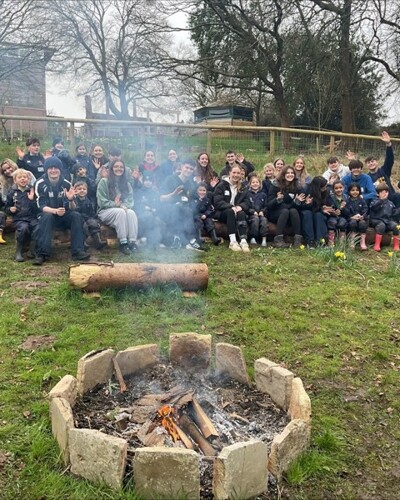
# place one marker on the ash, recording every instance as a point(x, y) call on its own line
point(238, 412)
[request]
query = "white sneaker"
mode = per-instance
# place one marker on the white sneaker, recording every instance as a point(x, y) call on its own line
point(253, 241)
point(244, 246)
point(234, 245)
point(263, 243)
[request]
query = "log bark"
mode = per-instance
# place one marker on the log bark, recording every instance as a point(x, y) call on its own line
point(189, 428)
point(95, 277)
point(201, 419)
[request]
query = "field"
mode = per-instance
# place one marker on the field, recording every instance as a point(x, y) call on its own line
point(332, 321)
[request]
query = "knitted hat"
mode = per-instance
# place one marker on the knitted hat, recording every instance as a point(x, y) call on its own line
point(53, 161)
point(57, 140)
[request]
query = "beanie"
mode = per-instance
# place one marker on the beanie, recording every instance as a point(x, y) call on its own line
point(53, 161)
point(57, 140)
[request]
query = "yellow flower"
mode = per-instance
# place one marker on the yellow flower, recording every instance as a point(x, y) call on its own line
point(338, 255)
point(302, 247)
point(322, 241)
point(398, 226)
point(390, 254)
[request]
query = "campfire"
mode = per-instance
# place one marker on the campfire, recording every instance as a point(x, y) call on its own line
point(177, 428)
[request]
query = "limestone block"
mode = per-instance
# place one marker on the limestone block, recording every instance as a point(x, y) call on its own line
point(97, 456)
point(190, 351)
point(240, 471)
point(167, 473)
point(274, 380)
point(287, 446)
point(229, 361)
point(138, 358)
point(300, 403)
point(66, 388)
point(94, 368)
point(62, 420)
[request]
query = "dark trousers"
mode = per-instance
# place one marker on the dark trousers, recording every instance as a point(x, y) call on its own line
point(236, 223)
point(337, 224)
point(91, 226)
point(179, 220)
point(314, 225)
point(258, 226)
point(70, 220)
point(286, 217)
point(384, 227)
point(2, 220)
point(25, 230)
point(207, 224)
point(357, 226)
point(151, 227)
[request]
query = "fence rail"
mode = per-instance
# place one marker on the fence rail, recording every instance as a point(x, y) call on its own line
point(256, 143)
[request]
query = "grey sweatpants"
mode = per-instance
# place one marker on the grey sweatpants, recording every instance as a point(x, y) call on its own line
point(123, 221)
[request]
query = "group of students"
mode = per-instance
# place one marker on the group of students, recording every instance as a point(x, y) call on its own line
point(173, 203)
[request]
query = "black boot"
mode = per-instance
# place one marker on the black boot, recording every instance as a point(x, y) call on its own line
point(18, 254)
point(31, 254)
point(279, 242)
point(214, 237)
point(297, 240)
point(97, 243)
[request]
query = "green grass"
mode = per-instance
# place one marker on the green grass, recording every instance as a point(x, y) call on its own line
point(332, 323)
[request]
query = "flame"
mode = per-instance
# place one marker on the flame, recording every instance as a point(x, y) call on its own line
point(167, 413)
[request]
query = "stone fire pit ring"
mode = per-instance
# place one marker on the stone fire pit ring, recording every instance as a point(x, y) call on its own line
point(240, 470)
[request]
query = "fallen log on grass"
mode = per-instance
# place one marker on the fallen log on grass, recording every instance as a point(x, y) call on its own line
point(95, 277)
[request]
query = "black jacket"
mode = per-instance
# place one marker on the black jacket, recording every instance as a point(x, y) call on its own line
point(383, 210)
point(258, 202)
point(223, 195)
point(26, 209)
point(32, 163)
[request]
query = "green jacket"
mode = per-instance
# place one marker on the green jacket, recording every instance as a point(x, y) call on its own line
point(103, 196)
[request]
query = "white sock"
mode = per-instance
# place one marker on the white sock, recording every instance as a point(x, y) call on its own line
point(232, 238)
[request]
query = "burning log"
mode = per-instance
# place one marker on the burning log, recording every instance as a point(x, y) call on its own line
point(189, 427)
point(95, 277)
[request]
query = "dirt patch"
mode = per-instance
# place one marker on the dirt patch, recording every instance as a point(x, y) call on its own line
point(25, 301)
point(3, 458)
point(29, 285)
point(34, 342)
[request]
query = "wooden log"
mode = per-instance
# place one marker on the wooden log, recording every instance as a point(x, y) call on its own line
point(95, 277)
point(189, 428)
point(119, 375)
point(201, 419)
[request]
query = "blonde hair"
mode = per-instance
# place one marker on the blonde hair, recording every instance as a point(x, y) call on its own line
point(21, 171)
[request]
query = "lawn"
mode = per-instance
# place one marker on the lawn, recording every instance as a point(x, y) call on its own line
point(334, 322)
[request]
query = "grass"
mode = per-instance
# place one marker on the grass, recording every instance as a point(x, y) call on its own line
point(331, 322)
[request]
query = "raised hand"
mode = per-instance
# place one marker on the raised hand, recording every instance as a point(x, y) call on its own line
point(385, 137)
point(69, 193)
point(31, 194)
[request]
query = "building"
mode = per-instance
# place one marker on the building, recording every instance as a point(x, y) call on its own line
point(23, 89)
point(224, 114)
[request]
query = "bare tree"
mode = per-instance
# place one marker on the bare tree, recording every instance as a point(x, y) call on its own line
point(111, 46)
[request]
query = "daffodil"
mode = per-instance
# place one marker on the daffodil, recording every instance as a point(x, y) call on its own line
point(390, 254)
point(302, 247)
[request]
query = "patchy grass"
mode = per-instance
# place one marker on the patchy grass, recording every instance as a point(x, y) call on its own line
point(332, 321)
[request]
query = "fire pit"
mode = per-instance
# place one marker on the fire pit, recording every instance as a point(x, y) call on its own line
point(180, 428)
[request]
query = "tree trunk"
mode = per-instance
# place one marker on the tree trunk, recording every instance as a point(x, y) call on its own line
point(346, 70)
point(96, 277)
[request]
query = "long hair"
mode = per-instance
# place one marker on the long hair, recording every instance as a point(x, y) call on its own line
point(315, 190)
point(205, 173)
point(283, 184)
point(301, 178)
point(117, 183)
point(6, 182)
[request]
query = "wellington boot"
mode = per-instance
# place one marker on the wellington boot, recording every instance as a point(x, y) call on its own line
point(2, 240)
point(396, 244)
point(352, 240)
point(214, 237)
point(331, 238)
point(97, 242)
point(31, 253)
point(363, 245)
point(279, 242)
point(297, 240)
point(378, 240)
point(18, 253)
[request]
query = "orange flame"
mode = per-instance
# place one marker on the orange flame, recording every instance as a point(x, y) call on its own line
point(167, 413)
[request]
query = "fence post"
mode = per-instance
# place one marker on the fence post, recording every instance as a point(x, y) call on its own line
point(209, 141)
point(272, 142)
point(332, 144)
point(72, 137)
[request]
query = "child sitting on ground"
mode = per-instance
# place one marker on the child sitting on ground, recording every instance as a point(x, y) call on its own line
point(85, 207)
point(258, 224)
point(383, 215)
point(203, 210)
point(357, 210)
point(21, 207)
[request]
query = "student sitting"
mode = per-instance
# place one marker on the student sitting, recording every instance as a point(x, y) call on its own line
point(203, 212)
point(356, 212)
point(54, 195)
point(258, 223)
point(21, 207)
point(367, 187)
point(384, 216)
point(337, 218)
point(84, 205)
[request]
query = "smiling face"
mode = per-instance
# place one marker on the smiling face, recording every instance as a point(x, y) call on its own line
point(230, 158)
point(279, 164)
point(299, 165)
point(203, 160)
point(334, 167)
point(235, 175)
point(372, 164)
point(269, 172)
point(81, 150)
point(354, 192)
point(338, 190)
point(149, 157)
point(186, 171)
point(34, 148)
point(7, 169)
point(172, 155)
point(81, 190)
point(201, 191)
point(290, 175)
point(255, 184)
point(118, 168)
point(98, 152)
point(53, 173)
